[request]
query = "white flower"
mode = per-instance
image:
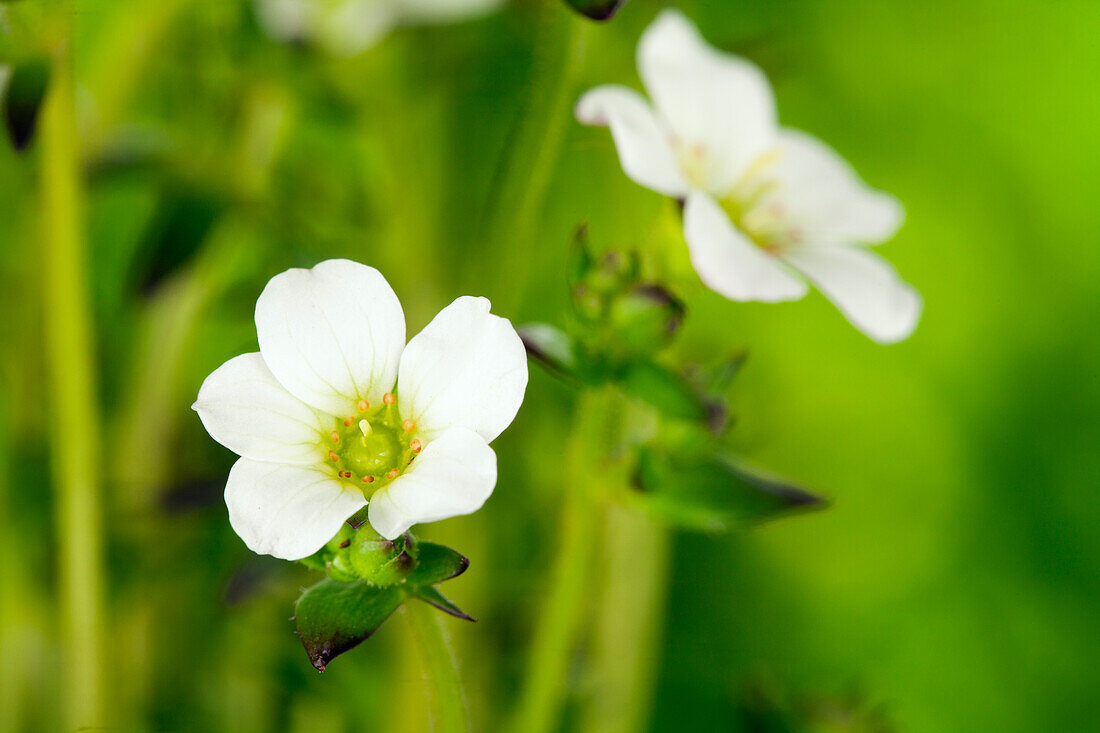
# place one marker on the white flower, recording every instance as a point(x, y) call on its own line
point(336, 411)
point(347, 27)
point(764, 206)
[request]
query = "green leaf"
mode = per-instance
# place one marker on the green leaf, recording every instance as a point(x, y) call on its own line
point(430, 595)
point(596, 9)
point(661, 388)
point(551, 347)
point(333, 617)
point(436, 563)
point(715, 493)
point(23, 100)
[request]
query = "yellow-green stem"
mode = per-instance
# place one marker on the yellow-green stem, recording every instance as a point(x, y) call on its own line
point(535, 146)
point(626, 640)
point(71, 370)
point(448, 699)
point(592, 475)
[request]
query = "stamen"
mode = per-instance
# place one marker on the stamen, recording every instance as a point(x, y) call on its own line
point(415, 445)
point(332, 456)
point(365, 427)
point(392, 474)
point(348, 422)
point(335, 437)
point(345, 474)
point(408, 426)
point(368, 479)
point(363, 405)
point(344, 544)
point(389, 398)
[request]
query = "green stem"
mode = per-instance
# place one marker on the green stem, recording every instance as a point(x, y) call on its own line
point(448, 700)
point(627, 634)
point(592, 476)
point(535, 147)
point(75, 420)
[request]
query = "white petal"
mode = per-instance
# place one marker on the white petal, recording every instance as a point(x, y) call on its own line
point(467, 368)
point(452, 476)
point(244, 408)
point(642, 143)
point(331, 335)
point(865, 288)
point(444, 11)
point(355, 26)
point(716, 102)
point(825, 197)
point(729, 262)
point(287, 511)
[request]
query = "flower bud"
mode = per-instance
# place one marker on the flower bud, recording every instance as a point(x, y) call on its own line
point(380, 561)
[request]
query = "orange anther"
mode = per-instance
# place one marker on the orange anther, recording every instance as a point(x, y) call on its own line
point(392, 474)
point(389, 398)
point(363, 405)
point(408, 426)
point(345, 474)
point(332, 456)
point(335, 437)
point(368, 479)
point(348, 422)
point(415, 445)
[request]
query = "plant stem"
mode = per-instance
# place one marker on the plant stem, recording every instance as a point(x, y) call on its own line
point(448, 700)
point(626, 643)
point(71, 366)
point(535, 146)
point(591, 476)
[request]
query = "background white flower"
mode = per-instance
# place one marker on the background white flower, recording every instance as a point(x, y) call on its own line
point(765, 208)
point(347, 27)
point(336, 410)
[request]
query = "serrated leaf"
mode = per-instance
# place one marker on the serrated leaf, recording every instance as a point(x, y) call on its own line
point(26, 90)
point(596, 9)
point(430, 595)
point(333, 617)
point(715, 493)
point(661, 388)
point(436, 563)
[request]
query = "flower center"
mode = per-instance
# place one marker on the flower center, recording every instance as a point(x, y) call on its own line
point(373, 445)
point(758, 211)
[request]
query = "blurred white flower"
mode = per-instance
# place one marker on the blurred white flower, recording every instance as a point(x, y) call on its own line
point(336, 411)
point(347, 27)
point(765, 208)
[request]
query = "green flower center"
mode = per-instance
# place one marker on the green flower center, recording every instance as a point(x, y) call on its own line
point(372, 446)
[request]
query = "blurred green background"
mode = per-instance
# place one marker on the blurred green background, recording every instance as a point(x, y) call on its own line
point(952, 585)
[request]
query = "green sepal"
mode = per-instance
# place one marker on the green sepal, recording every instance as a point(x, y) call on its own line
point(22, 102)
point(436, 563)
point(662, 388)
point(596, 9)
point(333, 617)
point(431, 595)
point(715, 493)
